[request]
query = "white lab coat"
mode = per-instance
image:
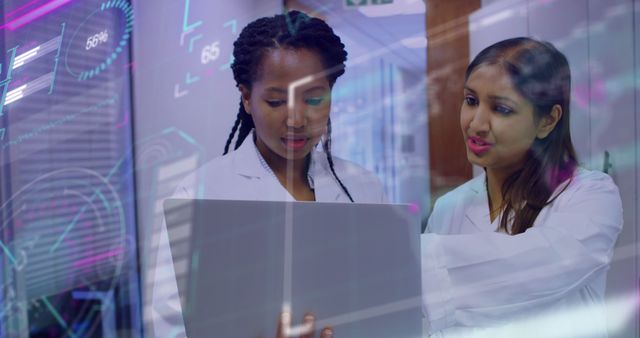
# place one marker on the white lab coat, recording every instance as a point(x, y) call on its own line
point(240, 175)
point(546, 282)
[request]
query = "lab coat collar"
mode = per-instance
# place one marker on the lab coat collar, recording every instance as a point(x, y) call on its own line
point(326, 187)
point(478, 205)
point(477, 184)
point(246, 162)
point(478, 211)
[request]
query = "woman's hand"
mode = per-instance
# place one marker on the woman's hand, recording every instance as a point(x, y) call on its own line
point(304, 330)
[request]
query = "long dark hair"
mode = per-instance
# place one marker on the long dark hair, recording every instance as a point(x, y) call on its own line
point(295, 30)
point(541, 74)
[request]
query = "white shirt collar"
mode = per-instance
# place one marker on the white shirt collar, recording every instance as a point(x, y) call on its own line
point(249, 162)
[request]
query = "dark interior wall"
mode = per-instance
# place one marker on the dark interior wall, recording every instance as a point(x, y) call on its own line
point(448, 56)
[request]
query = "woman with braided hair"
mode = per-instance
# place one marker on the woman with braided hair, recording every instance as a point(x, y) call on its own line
point(285, 75)
point(285, 67)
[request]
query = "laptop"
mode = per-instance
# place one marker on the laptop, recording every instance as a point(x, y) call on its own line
point(356, 267)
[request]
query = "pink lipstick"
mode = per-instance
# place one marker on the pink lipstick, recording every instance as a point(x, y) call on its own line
point(477, 145)
point(294, 143)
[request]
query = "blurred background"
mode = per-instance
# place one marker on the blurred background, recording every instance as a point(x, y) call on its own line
point(105, 105)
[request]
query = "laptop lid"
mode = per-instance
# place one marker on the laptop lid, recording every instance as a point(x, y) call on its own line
point(356, 267)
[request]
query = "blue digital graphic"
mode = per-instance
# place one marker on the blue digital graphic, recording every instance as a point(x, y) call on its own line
point(103, 42)
point(68, 240)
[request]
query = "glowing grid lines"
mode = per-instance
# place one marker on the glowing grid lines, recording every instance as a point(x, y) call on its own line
point(127, 10)
point(57, 316)
point(15, 94)
point(185, 26)
point(25, 58)
point(5, 83)
point(21, 59)
point(19, 9)
point(37, 52)
point(34, 14)
point(29, 88)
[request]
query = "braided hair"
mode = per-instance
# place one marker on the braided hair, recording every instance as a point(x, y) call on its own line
point(295, 30)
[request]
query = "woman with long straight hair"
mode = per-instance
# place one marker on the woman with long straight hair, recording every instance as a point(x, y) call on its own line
point(521, 250)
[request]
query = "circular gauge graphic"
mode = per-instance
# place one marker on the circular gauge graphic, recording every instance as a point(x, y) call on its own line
point(96, 44)
point(66, 252)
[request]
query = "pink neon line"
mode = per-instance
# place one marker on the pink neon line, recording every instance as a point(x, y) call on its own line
point(34, 14)
point(124, 121)
point(90, 260)
point(13, 12)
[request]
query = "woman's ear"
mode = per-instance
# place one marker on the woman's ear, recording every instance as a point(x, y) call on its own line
point(549, 122)
point(246, 97)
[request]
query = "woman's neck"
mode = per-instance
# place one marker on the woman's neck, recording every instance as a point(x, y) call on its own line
point(282, 167)
point(495, 181)
point(292, 174)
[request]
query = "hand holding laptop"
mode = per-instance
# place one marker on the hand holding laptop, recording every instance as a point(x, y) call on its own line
point(305, 330)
